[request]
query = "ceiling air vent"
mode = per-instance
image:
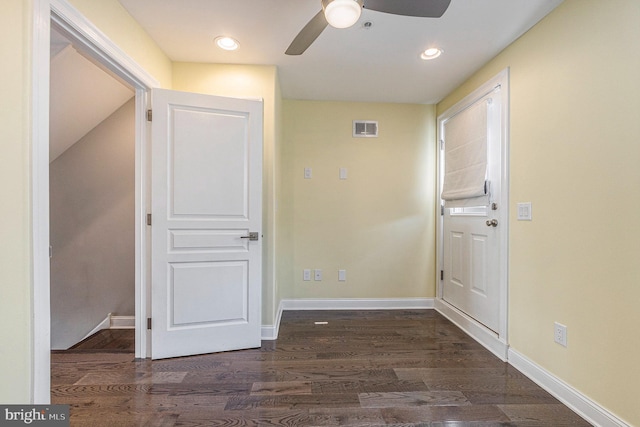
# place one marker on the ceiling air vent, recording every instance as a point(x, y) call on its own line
point(365, 129)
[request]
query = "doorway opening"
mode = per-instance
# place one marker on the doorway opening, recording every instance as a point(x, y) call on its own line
point(92, 203)
point(472, 247)
point(95, 46)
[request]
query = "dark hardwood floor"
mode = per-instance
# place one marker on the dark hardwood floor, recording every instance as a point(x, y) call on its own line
point(363, 368)
point(108, 340)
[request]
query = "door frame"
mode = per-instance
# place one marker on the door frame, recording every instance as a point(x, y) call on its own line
point(93, 43)
point(496, 343)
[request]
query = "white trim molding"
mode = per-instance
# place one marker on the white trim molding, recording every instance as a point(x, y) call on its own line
point(109, 322)
point(40, 267)
point(104, 324)
point(486, 337)
point(358, 304)
point(122, 322)
point(576, 401)
point(93, 42)
point(270, 332)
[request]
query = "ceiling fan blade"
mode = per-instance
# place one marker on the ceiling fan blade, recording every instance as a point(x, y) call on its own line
point(420, 8)
point(308, 34)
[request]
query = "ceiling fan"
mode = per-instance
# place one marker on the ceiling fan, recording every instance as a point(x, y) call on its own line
point(345, 13)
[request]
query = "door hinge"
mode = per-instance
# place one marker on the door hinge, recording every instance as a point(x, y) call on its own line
point(50, 251)
point(442, 144)
point(149, 323)
point(149, 115)
point(149, 219)
point(441, 274)
point(441, 209)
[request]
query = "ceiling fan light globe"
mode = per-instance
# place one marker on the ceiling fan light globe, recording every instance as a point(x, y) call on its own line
point(342, 13)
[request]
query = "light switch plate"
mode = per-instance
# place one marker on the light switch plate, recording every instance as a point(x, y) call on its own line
point(317, 275)
point(343, 173)
point(308, 173)
point(342, 275)
point(524, 211)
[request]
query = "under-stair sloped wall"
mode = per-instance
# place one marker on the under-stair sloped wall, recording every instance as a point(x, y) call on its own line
point(92, 190)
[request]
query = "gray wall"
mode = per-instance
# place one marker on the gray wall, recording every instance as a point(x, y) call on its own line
point(92, 188)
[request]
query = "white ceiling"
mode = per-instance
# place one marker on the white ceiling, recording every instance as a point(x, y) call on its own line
point(380, 64)
point(82, 96)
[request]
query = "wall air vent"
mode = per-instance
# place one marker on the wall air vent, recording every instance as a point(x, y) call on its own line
point(365, 129)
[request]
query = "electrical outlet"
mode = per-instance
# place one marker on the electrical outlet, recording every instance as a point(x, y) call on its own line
point(306, 275)
point(560, 334)
point(308, 173)
point(342, 275)
point(317, 275)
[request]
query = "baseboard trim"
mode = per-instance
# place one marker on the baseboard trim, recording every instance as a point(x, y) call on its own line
point(358, 304)
point(270, 332)
point(578, 402)
point(487, 338)
point(104, 324)
point(123, 322)
point(112, 322)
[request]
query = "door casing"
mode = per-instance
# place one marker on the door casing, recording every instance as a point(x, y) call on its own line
point(91, 41)
point(495, 342)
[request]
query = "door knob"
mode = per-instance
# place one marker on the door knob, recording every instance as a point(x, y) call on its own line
point(253, 235)
point(492, 222)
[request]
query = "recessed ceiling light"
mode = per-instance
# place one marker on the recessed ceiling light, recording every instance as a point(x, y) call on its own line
point(227, 43)
point(431, 53)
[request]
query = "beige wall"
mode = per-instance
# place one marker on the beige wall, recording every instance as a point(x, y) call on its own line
point(575, 132)
point(15, 236)
point(250, 81)
point(92, 220)
point(379, 223)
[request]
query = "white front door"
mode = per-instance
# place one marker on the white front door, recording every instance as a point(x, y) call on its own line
point(206, 202)
point(474, 239)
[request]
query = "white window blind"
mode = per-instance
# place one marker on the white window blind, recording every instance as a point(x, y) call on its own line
point(465, 158)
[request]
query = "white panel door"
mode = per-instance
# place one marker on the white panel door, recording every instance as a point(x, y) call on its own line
point(472, 238)
point(206, 199)
point(471, 264)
